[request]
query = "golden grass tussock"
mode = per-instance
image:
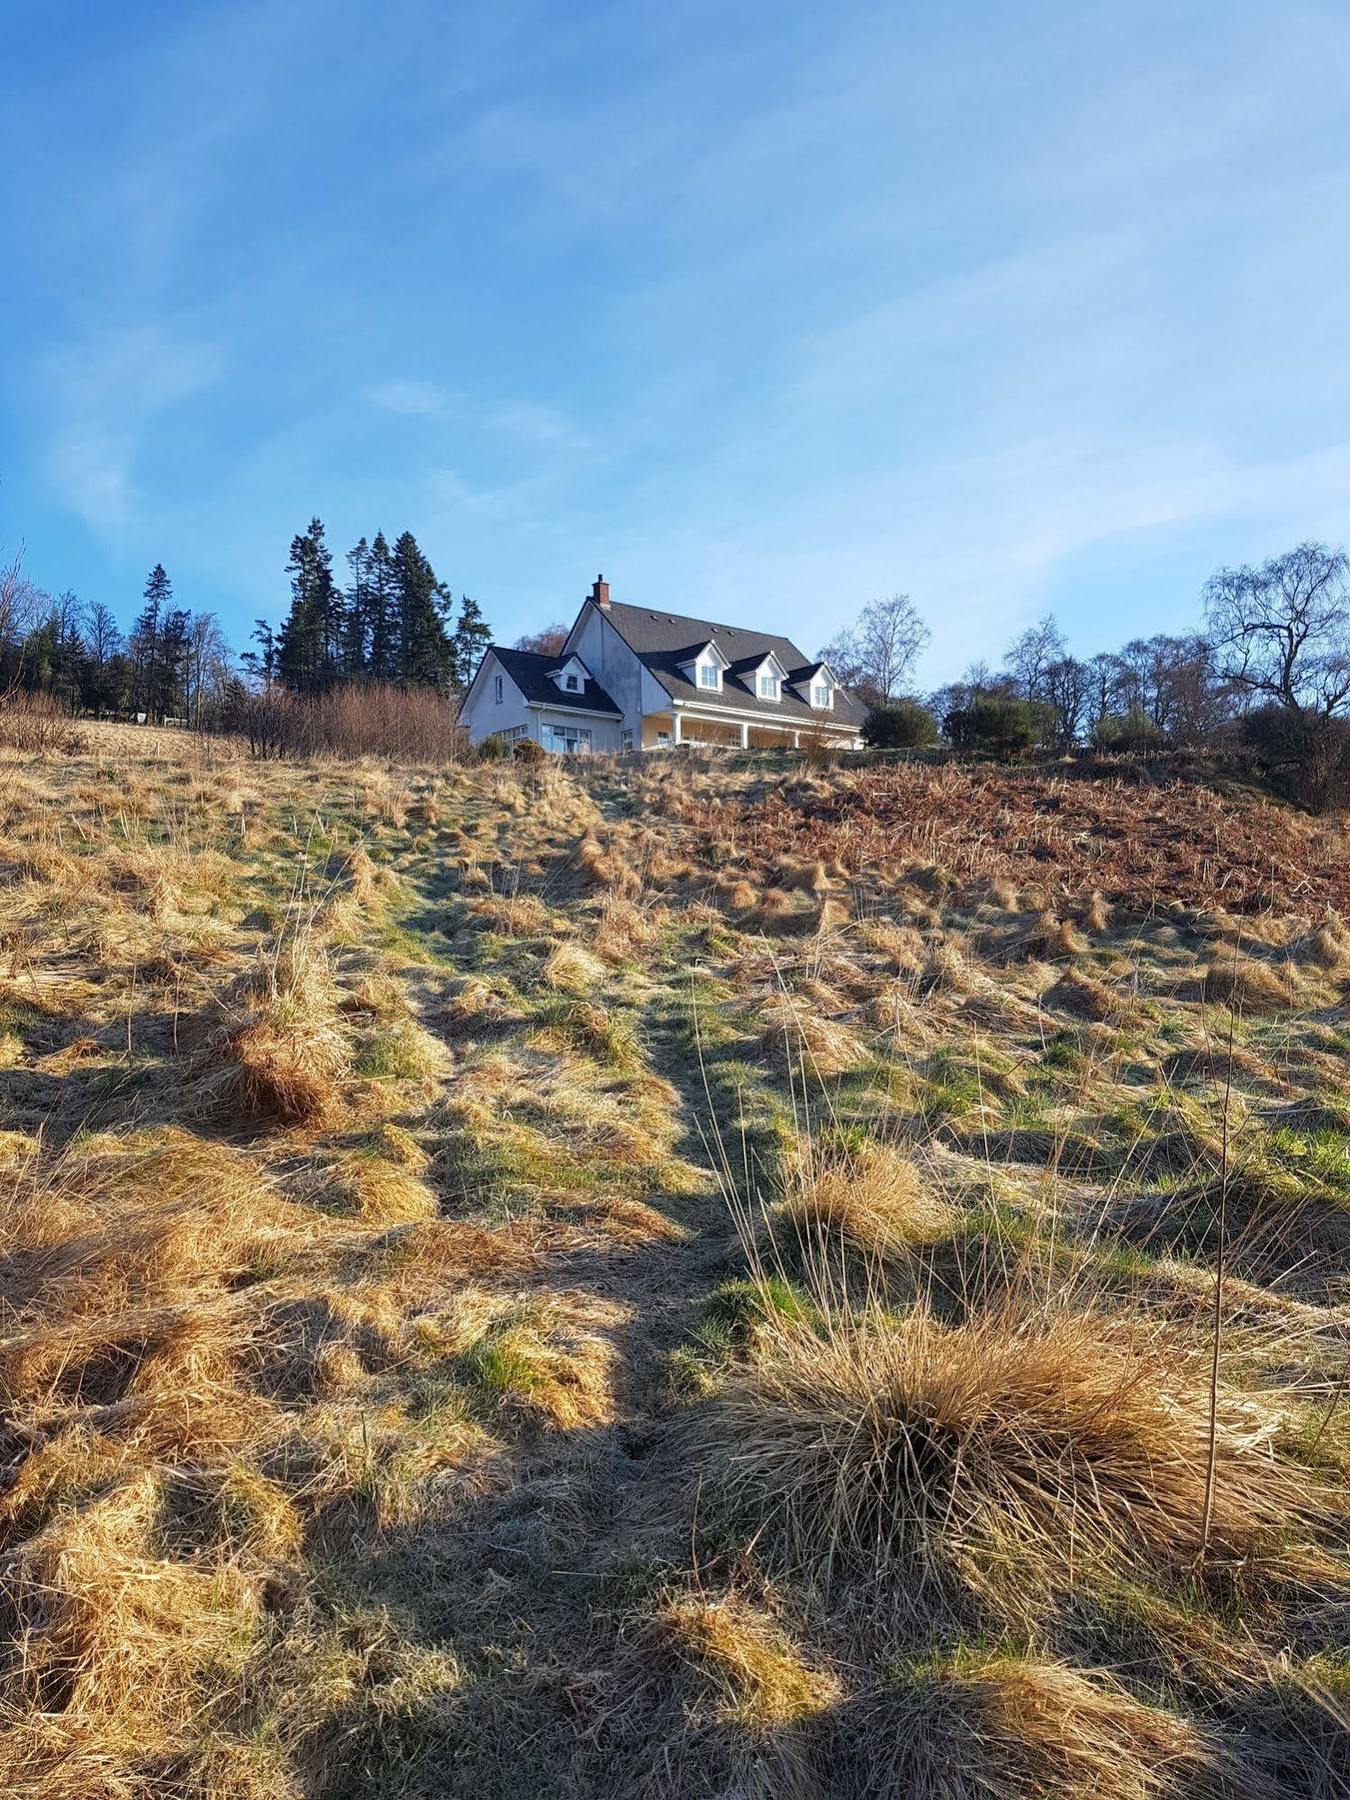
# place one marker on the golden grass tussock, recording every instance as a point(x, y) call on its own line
point(1097, 915)
point(380, 1192)
point(569, 969)
point(999, 1460)
point(1247, 984)
point(111, 1636)
point(761, 1680)
point(798, 1037)
point(872, 1200)
point(281, 1052)
point(832, 916)
point(1084, 994)
point(122, 1219)
point(1328, 945)
point(999, 1728)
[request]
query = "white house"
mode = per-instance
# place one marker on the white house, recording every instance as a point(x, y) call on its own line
point(630, 678)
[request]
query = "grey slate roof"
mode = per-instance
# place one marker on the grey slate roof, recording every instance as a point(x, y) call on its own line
point(529, 670)
point(662, 641)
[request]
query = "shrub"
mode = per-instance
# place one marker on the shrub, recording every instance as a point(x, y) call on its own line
point(1129, 733)
point(1304, 755)
point(527, 754)
point(408, 724)
point(991, 726)
point(38, 724)
point(901, 725)
point(493, 749)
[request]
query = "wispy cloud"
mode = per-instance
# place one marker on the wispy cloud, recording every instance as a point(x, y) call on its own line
point(421, 398)
point(106, 390)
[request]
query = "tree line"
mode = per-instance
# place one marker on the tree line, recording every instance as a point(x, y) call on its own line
point(1275, 637)
point(171, 663)
point(394, 622)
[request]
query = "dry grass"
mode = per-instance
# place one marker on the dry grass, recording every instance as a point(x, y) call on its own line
point(1248, 985)
point(280, 1052)
point(1000, 1729)
point(366, 1305)
point(873, 1201)
point(1001, 1459)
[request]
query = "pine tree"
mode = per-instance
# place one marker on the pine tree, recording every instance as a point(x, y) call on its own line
point(262, 662)
point(468, 641)
point(382, 649)
point(146, 645)
point(356, 636)
point(425, 655)
point(175, 640)
point(309, 649)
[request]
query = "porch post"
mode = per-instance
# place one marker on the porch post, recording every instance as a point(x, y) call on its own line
point(675, 737)
point(745, 737)
point(796, 740)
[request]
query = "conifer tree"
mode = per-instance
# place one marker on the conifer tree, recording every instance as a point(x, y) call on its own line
point(356, 633)
point(381, 612)
point(310, 645)
point(425, 656)
point(468, 641)
point(146, 644)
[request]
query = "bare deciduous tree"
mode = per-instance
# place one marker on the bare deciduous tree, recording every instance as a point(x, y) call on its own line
point(1283, 630)
point(547, 642)
point(1037, 650)
point(876, 656)
point(207, 665)
point(19, 603)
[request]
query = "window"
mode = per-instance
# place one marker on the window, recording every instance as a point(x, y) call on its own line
point(709, 675)
point(497, 686)
point(768, 687)
point(626, 741)
point(511, 733)
point(572, 684)
point(663, 740)
point(567, 740)
point(820, 694)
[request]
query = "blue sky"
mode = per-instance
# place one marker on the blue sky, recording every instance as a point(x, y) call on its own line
point(763, 310)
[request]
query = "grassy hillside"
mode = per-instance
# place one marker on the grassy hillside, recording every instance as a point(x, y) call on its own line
point(668, 1280)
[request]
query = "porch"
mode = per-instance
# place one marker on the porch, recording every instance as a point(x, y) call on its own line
point(681, 725)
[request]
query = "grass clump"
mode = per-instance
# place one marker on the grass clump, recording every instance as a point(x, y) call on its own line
point(1000, 1728)
point(989, 1460)
point(282, 1050)
point(870, 1200)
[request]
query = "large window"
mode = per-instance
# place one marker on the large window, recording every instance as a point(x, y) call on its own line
point(709, 675)
point(511, 733)
point(567, 740)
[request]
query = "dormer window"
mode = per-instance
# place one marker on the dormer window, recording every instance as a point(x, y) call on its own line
point(820, 694)
point(570, 676)
point(709, 675)
point(768, 687)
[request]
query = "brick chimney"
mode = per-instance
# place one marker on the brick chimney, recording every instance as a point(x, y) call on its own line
point(600, 593)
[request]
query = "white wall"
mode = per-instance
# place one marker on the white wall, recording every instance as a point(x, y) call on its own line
point(481, 715)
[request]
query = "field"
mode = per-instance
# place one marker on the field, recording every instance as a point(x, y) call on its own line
point(681, 1279)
